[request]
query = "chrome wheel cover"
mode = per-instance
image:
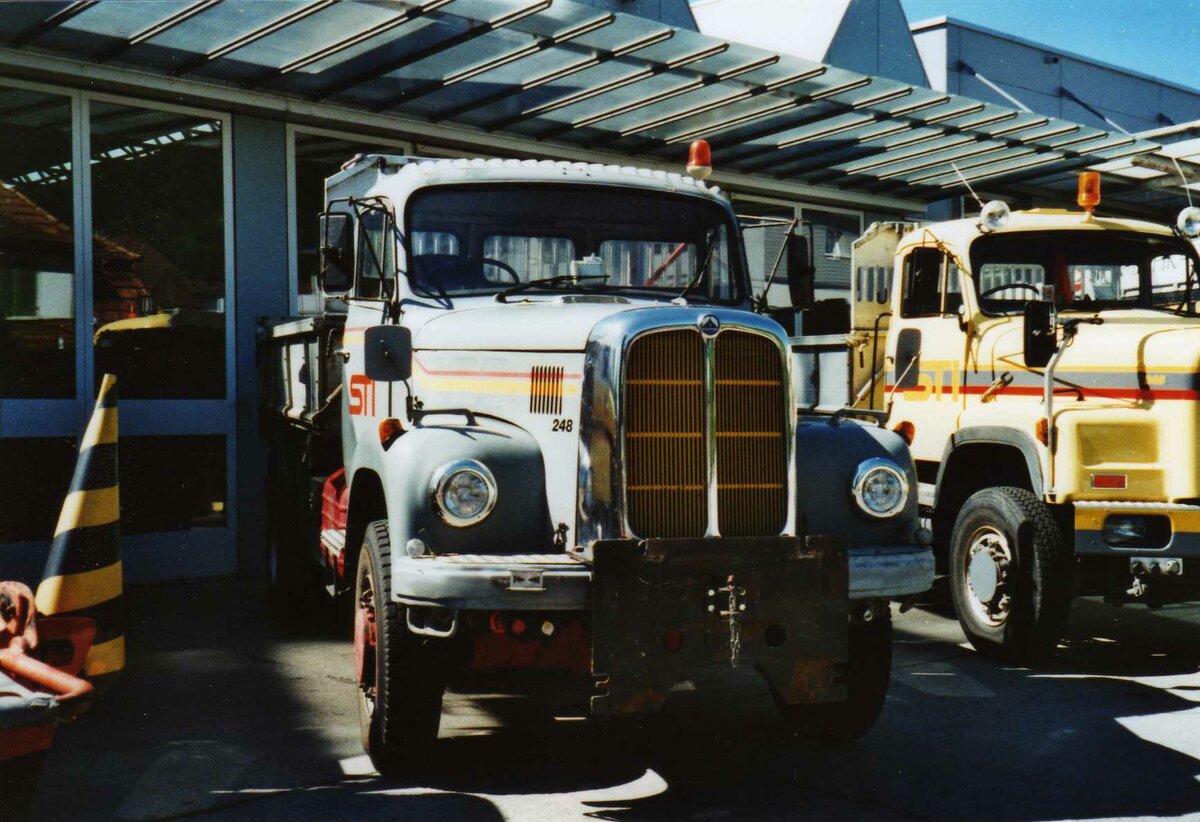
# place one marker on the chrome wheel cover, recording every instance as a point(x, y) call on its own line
point(986, 575)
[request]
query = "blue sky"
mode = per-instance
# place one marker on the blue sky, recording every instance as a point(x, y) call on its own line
point(1156, 37)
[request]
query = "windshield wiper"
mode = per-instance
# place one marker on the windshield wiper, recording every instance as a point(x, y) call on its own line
point(711, 246)
point(547, 282)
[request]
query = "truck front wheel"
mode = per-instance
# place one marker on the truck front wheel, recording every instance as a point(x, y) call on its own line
point(401, 677)
point(868, 672)
point(1008, 575)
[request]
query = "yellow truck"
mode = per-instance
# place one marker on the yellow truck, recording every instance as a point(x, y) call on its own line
point(1045, 367)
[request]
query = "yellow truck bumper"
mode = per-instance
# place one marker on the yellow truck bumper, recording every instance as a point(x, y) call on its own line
point(1112, 528)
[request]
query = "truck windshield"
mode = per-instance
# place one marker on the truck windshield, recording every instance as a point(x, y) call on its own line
point(485, 239)
point(1089, 270)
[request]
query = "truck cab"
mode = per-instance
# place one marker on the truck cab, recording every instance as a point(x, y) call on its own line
point(538, 429)
point(1043, 364)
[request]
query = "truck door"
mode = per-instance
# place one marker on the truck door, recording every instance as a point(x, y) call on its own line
point(870, 310)
point(925, 350)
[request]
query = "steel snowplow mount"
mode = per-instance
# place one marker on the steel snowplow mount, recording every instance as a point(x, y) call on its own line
point(667, 610)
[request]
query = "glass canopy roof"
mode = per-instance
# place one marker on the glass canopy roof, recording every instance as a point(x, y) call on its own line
point(564, 71)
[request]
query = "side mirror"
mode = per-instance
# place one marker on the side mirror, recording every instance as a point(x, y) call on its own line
point(387, 353)
point(801, 272)
point(337, 252)
point(1041, 333)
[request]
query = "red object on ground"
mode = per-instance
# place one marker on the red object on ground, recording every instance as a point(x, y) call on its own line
point(64, 642)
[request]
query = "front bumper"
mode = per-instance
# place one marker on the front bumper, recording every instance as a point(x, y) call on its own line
point(667, 611)
point(1184, 540)
point(557, 582)
point(885, 571)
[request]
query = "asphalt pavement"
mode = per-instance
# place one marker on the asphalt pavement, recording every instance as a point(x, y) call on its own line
point(221, 715)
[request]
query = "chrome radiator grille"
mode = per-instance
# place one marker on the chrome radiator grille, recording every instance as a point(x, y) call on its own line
point(669, 438)
point(666, 485)
point(751, 440)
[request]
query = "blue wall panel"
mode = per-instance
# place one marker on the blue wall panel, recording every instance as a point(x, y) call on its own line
point(261, 249)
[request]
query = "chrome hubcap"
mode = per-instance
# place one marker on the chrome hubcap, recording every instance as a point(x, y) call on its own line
point(988, 561)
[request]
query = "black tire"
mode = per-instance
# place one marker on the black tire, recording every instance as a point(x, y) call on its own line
point(402, 677)
point(867, 676)
point(1020, 608)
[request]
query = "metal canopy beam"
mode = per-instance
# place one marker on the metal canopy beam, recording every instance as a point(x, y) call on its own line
point(499, 61)
point(183, 15)
point(701, 82)
point(359, 37)
point(253, 36)
point(652, 69)
point(549, 77)
point(465, 36)
point(51, 23)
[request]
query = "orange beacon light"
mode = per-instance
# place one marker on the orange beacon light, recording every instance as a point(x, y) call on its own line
point(1089, 191)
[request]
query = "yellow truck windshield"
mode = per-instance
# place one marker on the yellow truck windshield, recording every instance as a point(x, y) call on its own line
point(1089, 270)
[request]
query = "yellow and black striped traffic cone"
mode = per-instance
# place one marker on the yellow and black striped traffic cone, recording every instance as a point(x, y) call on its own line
point(83, 574)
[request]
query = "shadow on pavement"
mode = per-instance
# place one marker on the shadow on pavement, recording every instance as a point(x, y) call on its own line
point(221, 716)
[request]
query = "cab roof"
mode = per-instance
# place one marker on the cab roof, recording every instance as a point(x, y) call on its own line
point(399, 177)
point(960, 233)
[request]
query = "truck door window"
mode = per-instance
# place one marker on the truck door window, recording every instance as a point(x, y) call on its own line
point(376, 254)
point(932, 284)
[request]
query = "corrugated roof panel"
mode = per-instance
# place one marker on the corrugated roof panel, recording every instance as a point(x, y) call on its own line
point(566, 71)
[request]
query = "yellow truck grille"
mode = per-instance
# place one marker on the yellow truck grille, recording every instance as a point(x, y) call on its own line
point(665, 435)
point(751, 440)
point(668, 438)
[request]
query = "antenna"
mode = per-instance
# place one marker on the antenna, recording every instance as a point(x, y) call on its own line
point(967, 184)
point(1183, 179)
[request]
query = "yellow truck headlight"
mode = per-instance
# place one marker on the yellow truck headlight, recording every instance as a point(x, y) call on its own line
point(880, 488)
point(463, 492)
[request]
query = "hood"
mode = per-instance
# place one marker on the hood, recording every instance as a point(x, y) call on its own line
point(1130, 342)
point(557, 324)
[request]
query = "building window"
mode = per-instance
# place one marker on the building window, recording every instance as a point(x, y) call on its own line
point(159, 260)
point(834, 234)
point(37, 246)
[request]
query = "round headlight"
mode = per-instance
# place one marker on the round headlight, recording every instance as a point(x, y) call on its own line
point(1189, 221)
point(995, 215)
point(880, 487)
point(463, 492)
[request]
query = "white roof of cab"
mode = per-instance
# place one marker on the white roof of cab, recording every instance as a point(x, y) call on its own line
point(960, 233)
point(399, 177)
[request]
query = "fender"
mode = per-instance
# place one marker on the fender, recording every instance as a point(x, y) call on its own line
point(827, 456)
point(995, 435)
point(519, 523)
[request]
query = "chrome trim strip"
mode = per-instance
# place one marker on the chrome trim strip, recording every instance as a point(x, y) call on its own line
point(712, 527)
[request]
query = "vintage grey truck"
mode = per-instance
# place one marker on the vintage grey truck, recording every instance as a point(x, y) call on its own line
point(538, 432)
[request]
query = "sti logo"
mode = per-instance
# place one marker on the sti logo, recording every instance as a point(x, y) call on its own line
point(709, 325)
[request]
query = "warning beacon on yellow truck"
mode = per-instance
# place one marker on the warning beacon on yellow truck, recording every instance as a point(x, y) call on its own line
point(541, 437)
point(1045, 365)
